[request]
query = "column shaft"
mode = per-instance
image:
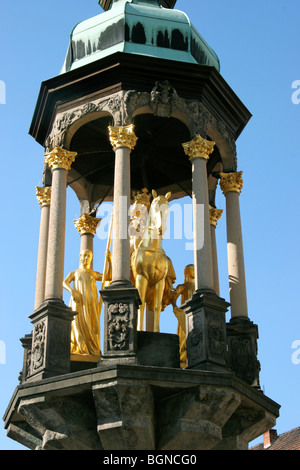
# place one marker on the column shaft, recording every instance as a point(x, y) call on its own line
point(123, 141)
point(215, 215)
point(44, 197)
point(199, 150)
point(235, 254)
point(215, 259)
point(121, 248)
point(202, 237)
point(60, 162)
point(231, 184)
point(42, 257)
point(56, 243)
point(87, 227)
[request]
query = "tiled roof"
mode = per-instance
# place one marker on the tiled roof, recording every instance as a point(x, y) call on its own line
point(287, 441)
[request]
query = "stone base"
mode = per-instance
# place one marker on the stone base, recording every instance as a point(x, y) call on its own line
point(50, 352)
point(158, 349)
point(206, 331)
point(132, 407)
point(242, 336)
point(121, 301)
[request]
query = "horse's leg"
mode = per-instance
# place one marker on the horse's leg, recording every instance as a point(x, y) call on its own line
point(141, 285)
point(159, 290)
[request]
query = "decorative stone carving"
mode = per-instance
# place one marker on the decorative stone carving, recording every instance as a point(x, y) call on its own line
point(227, 136)
point(118, 326)
point(206, 332)
point(27, 345)
point(38, 346)
point(50, 354)
point(163, 98)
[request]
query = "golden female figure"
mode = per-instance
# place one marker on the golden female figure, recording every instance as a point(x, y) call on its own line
point(186, 291)
point(85, 333)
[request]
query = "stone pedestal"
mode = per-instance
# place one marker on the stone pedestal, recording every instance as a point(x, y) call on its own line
point(26, 369)
point(132, 407)
point(121, 302)
point(206, 331)
point(242, 336)
point(50, 352)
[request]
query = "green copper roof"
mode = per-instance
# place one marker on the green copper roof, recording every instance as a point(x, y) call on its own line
point(138, 27)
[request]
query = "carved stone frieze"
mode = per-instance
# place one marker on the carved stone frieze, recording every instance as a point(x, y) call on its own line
point(118, 325)
point(38, 346)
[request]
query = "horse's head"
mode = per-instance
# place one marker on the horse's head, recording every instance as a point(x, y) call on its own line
point(159, 212)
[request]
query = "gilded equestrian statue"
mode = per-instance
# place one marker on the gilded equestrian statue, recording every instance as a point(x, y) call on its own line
point(152, 270)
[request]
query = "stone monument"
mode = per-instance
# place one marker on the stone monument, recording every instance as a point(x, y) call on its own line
point(139, 114)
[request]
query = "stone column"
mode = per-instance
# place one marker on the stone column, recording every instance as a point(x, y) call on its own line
point(123, 141)
point(60, 161)
point(215, 215)
point(242, 334)
point(87, 226)
point(231, 185)
point(51, 335)
point(121, 299)
point(199, 151)
point(44, 197)
point(205, 311)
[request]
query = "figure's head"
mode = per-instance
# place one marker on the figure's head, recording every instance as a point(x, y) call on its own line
point(85, 258)
point(159, 211)
point(189, 272)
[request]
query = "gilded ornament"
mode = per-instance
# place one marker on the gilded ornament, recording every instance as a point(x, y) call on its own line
point(231, 182)
point(122, 136)
point(143, 197)
point(87, 224)
point(198, 147)
point(60, 158)
point(43, 195)
point(215, 215)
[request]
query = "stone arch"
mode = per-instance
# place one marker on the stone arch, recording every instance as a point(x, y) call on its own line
point(226, 147)
point(80, 122)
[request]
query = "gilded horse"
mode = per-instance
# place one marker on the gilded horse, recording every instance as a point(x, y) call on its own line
point(152, 270)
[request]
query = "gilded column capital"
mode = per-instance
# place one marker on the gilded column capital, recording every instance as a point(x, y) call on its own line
point(215, 215)
point(231, 182)
point(122, 136)
point(60, 158)
point(43, 195)
point(198, 148)
point(87, 224)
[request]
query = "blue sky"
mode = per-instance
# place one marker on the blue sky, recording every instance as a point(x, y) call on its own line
point(258, 44)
